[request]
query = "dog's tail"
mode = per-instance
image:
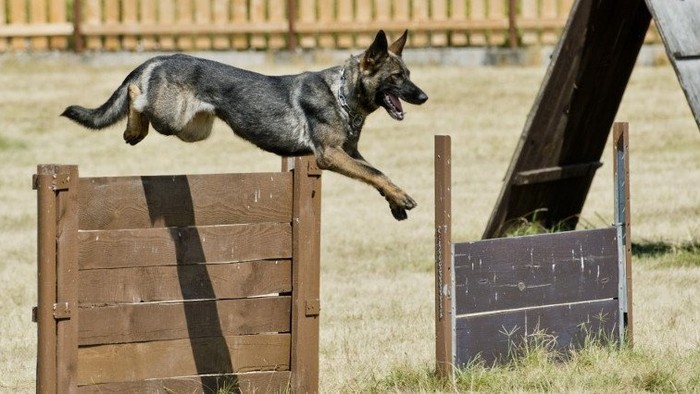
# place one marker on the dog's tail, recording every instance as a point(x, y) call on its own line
point(111, 112)
point(114, 110)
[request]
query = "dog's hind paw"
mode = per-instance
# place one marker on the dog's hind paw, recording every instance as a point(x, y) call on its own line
point(133, 139)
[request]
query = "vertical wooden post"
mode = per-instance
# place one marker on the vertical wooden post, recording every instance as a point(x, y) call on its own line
point(57, 352)
point(622, 222)
point(292, 25)
point(77, 26)
point(66, 309)
point(306, 241)
point(46, 256)
point(512, 25)
point(444, 338)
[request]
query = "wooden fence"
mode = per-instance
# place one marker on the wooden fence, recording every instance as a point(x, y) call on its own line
point(270, 24)
point(178, 283)
point(495, 298)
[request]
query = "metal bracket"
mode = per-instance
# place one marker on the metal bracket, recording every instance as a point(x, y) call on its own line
point(312, 307)
point(61, 311)
point(313, 169)
point(59, 182)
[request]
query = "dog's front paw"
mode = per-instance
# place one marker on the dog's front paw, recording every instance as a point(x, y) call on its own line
point(399, 208)
point(398, 212)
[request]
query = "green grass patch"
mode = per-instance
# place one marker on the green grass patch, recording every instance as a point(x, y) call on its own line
point(596, 366)
point(7, 144)
point(661, 255)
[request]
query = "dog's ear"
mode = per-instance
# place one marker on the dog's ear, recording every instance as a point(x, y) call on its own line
point(397, 47)
point(376, 52)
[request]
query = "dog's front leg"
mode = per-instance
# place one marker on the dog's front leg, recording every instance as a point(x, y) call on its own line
point(337, 160)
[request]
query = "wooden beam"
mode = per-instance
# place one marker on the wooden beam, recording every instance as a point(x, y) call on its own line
point(444, 312)
point(573, 112)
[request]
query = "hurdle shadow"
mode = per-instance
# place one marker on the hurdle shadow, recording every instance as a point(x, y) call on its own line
point(175, 209)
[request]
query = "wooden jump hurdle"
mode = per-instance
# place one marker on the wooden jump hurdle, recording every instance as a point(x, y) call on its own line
point(178, 283)
point(491, 295)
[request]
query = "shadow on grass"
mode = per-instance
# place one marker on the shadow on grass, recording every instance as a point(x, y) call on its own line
point(667, 255)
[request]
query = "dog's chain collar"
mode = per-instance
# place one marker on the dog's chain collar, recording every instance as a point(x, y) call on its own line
point(356, 120)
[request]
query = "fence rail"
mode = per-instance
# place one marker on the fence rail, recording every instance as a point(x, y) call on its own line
point(113, 25)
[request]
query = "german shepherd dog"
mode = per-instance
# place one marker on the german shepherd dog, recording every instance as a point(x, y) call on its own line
point(313, 112)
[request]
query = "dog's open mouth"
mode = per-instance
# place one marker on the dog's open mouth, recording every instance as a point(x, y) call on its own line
point(392, 104)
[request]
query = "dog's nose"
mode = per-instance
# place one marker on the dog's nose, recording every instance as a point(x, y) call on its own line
point(422, 97)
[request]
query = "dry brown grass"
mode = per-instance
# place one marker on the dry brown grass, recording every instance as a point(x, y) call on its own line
point(376, 273)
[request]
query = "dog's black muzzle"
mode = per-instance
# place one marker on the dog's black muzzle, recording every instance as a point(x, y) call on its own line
point(412, 94)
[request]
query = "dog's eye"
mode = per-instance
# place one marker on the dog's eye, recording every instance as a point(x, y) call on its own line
point(396, 78)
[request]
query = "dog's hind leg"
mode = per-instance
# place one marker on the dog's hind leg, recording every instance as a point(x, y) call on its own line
point(137, 122)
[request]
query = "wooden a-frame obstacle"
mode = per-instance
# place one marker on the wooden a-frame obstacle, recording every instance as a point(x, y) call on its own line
point(564, 136)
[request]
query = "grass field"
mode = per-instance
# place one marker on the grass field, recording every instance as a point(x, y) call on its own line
point(377, 279)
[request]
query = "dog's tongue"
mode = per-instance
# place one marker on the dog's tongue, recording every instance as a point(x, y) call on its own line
point(394, 106)
point(396, 103)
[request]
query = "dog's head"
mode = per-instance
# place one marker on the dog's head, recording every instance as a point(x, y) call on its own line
point(387, 77)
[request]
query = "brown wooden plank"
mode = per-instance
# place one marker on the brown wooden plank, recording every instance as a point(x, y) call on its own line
point(184, 200)
point(161, 283)
point(44, 183)
point(494, 336)
point(345, 15)
point(166, 16)
point(363, 15)
point(162, 359)
point(18, 16)
point(438, 12)
point(518, 272)
point(443, 256)
point(326, 16)
point(111, 17)
point(277, 13)
point(251, 382)
point(194, 319)
point(306, 303)
point(528, 11)
point(67, 279)
point(549, 11)
point(184, 21)
point(458, 37)
point(221, 15)
point(419, 15)
point(147, 13)
point(573, 112)
point(239, 16)
point(477, 13)
point(57, 16)
point(3, 24)
point(92, 19)
point(187, 245)
point(38, 16)
point(202, 16)
point(497, 12)
point(257, 15)
point(129, 16)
